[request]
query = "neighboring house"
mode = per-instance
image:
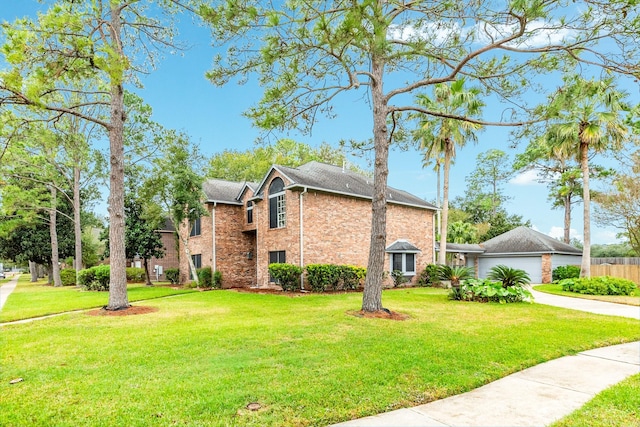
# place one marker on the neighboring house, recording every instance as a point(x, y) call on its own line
point(158, 266)
point(523, 248)
point(316, 213)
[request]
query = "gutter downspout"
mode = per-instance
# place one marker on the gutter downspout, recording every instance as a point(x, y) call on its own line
point(213, 237)
point(302, 237)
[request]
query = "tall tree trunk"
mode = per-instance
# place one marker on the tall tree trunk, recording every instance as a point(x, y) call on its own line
point(187, 251)
point(585, 268)
point(567, 218)
point(444, 222)
point(33, 270)
point(147, 279)
point(53, 233)
point(118, 282)
point(372, 294)
point(77, 226)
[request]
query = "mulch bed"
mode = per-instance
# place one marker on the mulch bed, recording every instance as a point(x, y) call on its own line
point(382, 314)
point(131, 311)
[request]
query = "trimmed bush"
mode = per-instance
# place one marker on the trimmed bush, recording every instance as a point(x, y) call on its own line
point(217, 279)
point(205, 277)
point(173, 275)
point(485, 290)
point(86, 277)
point(601, 285)
point(95, 278)
point(286, 275)
point(135, 275)
point(324, 277)
point(68, 276)
point(565, 272)
point(430, 276)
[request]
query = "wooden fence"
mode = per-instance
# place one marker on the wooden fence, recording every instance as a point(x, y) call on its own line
point(616, 261)
point(628, 271)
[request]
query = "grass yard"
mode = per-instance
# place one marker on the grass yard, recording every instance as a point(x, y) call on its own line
point(39, 299)
point(619, 299)
point(616, 406)
point(203, 357)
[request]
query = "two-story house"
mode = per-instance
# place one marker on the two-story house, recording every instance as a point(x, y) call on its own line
point(315, 213)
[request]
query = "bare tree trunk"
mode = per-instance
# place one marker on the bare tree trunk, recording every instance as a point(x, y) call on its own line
point(585, 268)
point(118, 282)
point(444, 222)
point(187, 251)
point(33, 270)
point(567, 219)
point(77, 226)
point(372, 294)
point(147, 279)
point(53, 233)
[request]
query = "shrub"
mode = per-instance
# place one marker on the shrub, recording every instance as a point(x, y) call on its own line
point(205, 277)
point(135, 275)
point(455, 274)
point(103, 275)
point(68, 276)
point(565, 272)
point(173, 275)
point(286, 275)
point(485, 290)
point(430, 276)
point(509, 276)
point(217, 279)
point(601, 285)
point(398, 278)
point(86, 277)
point(322, 277)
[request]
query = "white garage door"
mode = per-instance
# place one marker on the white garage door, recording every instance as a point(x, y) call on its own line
point(530, 264)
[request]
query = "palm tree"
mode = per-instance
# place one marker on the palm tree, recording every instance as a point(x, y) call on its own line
point(585, 115)
point(439, 136)
point(462, 232)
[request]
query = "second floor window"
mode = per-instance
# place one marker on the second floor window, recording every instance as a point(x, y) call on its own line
point(249, 212)
point(195, 228)
point(277, 204)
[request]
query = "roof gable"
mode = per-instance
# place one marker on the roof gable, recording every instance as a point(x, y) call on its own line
point(220, 191)
point(333, 179)
point(526, 240)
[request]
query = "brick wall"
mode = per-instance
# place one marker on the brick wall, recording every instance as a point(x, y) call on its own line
point(546, 268)
point(336, 229)
point(170, 259)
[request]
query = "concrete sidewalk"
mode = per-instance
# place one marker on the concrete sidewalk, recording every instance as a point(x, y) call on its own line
point(6, 289)
point(536, 396)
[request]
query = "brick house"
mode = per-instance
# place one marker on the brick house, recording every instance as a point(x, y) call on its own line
point(169, 260)
point(316, 213)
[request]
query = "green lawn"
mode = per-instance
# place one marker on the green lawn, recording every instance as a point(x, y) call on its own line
point(203, 357)
point(616, 406)
point(39, 299)
point(619, 299)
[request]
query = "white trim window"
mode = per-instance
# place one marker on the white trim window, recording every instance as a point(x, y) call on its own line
point(277, 204)
point(404, 262)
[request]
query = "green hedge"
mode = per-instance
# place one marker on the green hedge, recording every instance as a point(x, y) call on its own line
point(95, 278)
point(68, 276)
point(565, 272)
point(601, 285)
point(205, 277)
point(430, 276)
point(286, 275)
point(135, 275)
point(323, 277)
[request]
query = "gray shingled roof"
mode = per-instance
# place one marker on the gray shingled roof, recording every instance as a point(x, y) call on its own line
point(401, 246)
point(526, 240)
point(467, 248)
point(218, 190)
point(334, 179)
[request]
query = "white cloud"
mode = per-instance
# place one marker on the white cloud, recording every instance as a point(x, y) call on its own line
point(558, 233)
point(529, 177)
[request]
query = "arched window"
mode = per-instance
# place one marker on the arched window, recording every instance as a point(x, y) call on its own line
point(277, 206)
point(249, 212)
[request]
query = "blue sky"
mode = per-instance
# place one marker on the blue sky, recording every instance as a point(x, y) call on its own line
point(183, 99)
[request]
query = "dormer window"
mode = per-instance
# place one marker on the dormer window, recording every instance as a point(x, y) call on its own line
point(249, 212)
point(277, 205)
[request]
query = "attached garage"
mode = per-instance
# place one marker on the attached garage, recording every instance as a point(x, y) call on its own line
point(522, 248)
